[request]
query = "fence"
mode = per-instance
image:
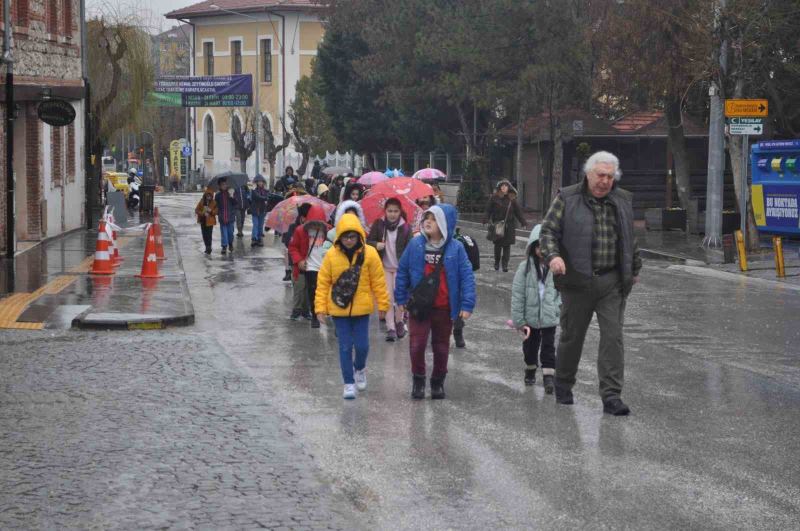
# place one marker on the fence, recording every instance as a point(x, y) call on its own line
point(451, 165)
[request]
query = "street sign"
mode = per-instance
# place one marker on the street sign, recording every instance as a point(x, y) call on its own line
point(187, 151)
point(754, 108)
point(746, 126)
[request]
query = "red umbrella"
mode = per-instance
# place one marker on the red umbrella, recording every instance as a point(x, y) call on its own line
point(285, 212)
point(373, 205)
point(406, 186)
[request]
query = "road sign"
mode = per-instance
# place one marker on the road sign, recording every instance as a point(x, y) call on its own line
point(745, 126)
point(187, 151)
point(746, 108)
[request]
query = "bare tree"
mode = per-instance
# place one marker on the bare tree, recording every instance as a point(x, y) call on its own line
point(243, 135)
point(271, 149)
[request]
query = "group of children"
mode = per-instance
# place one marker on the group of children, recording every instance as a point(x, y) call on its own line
point(342, 272)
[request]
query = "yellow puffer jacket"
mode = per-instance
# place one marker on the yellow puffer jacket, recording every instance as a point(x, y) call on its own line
point(371, 282)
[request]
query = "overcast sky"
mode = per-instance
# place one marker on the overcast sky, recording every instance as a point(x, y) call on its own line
point(151, 11)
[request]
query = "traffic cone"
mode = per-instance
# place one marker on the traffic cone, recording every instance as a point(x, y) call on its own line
point(159, 238)
point(150, 262)
point(103, 264)
point(111, 230)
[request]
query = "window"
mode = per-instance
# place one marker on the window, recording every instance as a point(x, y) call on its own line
point(236, 57)
point(71, 153)
point(208, 52)
point(52, 17)
point(67, 18)
point(266, 60)
point(57, 155)
point(209, 128)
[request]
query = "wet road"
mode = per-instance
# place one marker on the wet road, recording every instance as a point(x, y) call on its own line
point(712, 377)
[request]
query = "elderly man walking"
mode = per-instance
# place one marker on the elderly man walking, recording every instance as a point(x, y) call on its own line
point(587, 240)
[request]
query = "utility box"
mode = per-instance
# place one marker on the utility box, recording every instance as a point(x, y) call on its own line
point(775, 191)
point(147, 194)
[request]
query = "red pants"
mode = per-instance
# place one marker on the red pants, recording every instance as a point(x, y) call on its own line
point(438, 326)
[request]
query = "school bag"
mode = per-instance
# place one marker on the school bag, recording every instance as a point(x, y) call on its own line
point(471, 246)
point(344, 289)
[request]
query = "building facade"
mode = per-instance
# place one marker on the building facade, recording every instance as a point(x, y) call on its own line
point(275, 41)
point(48, 162)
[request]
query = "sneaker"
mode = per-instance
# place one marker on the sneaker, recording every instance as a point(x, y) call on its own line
point(391, 336)
point(437, 388)
point(418, 388)
point(288, 276)
point(361, 379)
point(224, 251)
point(564, 396)
point(616, 407)
point(349, 392)
point(530, 376)
point(547, 382)
point(208, 250)
point(314, 322)
point(239, 235)
point(307, 316)
point(295, 315)
point(401, 330)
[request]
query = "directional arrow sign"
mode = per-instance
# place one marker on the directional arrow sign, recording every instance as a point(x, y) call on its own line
point(745, 129)
point(746, 108)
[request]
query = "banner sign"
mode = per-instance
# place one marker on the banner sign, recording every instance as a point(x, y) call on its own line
point(203, 91)
point(776, 207)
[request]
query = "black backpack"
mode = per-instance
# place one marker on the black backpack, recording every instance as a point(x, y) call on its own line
point(471, 246)
point(422, 296)
point(344, 289)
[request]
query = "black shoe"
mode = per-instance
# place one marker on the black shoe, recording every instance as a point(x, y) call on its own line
point(497, 267)
point(530, 376)
point(314, 322)
point(295, 315)
point(616, 407)
point(564, 396)
point(240, 235)
point(505, 269)
point(458, 334)
point(224, 251)
point(437, 388)
point(547, 381)
point(288, 276)
point(307, 316)
point(418, 388)
point(208, 250)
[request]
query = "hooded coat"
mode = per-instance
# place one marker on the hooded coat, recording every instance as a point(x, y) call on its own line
point(527, 306)
point(458, 268)
point(208, 219)
point(501, 208)
point(258, 201)
point(301, 240)
point(371, 283)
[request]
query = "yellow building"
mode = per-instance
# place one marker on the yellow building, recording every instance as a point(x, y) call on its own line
point(275, 41)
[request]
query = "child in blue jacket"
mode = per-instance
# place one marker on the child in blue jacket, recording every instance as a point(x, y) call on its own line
point(454, 298)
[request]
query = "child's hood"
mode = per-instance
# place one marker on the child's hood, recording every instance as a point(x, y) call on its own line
point(349, 223)
point(533, 237)
point(446, 217)
point(343, 206)
point(315, 216)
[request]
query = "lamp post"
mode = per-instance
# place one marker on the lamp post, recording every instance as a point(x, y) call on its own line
point(257, 82)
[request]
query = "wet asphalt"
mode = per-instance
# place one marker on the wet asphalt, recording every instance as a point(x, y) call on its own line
point(712, 378)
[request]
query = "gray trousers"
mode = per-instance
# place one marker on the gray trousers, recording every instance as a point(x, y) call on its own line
point(603, 297)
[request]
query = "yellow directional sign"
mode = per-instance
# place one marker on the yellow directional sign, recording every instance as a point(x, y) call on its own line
point(736, 108)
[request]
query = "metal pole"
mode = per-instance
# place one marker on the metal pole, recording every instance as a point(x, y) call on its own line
point(743, 188)
point(258, 103)
point(9, 127)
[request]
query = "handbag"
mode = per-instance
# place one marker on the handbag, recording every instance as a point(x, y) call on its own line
point(344, 289)
point(497, 230)
point(422, 296)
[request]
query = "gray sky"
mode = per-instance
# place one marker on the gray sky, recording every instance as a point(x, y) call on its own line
point(151, 11)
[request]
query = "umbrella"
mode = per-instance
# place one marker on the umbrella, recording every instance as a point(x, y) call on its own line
point(235, 180)
point(336, 170)
point(373, 205)
point(397, 172)
point(413, 188)
point(372, 178)
point(429, 174)
point(285, 212)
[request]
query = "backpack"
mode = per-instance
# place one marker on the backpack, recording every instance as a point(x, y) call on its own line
point(471, 246)
point(421, 300)
point(344, 289)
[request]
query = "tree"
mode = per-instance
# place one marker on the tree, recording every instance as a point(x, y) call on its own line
point(271, 148)
point(310, 116)
point(243, 135)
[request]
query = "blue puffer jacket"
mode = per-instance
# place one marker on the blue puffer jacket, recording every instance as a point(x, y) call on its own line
point(458, 269)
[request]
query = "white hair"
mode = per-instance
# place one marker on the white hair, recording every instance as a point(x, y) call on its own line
point(603, 157)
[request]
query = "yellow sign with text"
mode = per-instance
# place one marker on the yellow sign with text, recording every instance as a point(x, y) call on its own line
point(746, 108)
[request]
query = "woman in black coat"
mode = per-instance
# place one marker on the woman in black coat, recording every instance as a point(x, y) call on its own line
point(502, 207)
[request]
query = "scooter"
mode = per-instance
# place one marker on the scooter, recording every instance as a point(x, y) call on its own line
point(133, 195)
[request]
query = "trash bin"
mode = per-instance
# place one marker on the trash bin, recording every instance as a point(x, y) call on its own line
point(148, 193)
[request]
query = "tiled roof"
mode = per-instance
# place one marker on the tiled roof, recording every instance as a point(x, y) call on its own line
point(205, 9)
point(571, 119)
point(635, 121)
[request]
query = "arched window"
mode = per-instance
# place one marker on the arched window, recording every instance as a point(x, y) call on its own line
point(209, 129)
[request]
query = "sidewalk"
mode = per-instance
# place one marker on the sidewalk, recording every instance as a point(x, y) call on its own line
point(49, 287)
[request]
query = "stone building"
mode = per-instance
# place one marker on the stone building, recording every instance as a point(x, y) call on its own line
point(48, 161)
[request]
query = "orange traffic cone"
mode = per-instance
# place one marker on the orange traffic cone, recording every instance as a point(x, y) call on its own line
point(159, 238)
point(150, 262)
point(111, 230)
point(102, 258)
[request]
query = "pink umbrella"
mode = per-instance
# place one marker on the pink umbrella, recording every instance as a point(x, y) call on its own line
point(372, 178)
point(413, 188)
point(429, 174)
point(373, 204)
point(285, 212)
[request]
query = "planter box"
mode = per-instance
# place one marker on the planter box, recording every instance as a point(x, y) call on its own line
point(663, 219)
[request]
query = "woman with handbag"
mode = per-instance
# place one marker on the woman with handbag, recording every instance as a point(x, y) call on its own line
point(502, 213)
point(350, 278)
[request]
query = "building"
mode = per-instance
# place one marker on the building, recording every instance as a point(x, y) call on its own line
point(172, 51)
point(48, 165)
point(275, 41)
point(639, 139)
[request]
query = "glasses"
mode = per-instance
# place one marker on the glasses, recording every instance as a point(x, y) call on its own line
point(350, 237)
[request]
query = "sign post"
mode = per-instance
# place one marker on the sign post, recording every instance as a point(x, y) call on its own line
point(745, 117)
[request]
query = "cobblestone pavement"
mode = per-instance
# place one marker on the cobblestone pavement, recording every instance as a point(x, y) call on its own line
point(146, 431)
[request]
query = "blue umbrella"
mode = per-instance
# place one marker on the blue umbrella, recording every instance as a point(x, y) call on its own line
point(394, 173)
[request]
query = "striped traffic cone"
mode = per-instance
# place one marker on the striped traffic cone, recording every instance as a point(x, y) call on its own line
point(111, 230)
point(159, 238)
point(150, 261)
point(102, 258)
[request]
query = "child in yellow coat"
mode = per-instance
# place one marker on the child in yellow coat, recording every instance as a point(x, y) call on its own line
point(351, 319)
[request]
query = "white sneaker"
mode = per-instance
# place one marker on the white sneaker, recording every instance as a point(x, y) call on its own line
point(361, 379)
point(349, 392)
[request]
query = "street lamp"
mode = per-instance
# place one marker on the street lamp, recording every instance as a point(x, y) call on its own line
point(257, 82)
